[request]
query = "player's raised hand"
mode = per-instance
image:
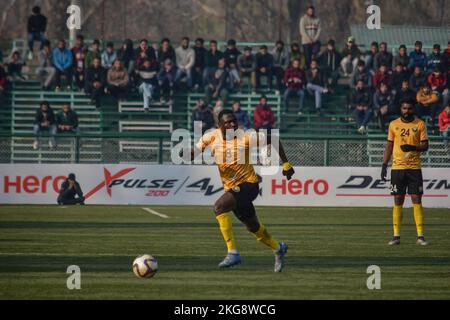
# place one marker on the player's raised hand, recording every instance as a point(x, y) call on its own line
point(408, 148)
point(288, 170)
point(384, 172)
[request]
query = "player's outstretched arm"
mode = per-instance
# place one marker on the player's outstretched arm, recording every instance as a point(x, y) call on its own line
point(386, 158)
point(288, 170)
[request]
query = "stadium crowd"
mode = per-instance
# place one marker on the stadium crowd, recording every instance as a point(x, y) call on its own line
point(378, 80)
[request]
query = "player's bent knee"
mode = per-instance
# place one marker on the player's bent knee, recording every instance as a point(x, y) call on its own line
point(218, 209)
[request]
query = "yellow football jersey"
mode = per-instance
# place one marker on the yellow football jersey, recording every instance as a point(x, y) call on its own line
point(401, 133)
point(232, 157)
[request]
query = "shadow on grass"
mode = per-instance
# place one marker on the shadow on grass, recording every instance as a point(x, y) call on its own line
point(25, 264)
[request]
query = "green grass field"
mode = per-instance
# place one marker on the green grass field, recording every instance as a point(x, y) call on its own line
point(330, 250)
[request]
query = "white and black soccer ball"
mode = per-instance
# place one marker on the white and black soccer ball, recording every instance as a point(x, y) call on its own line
point(265, 158)
point(145, 266)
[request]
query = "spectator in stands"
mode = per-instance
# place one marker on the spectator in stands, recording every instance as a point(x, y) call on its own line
point(361, 73)
point(405, 93)
point(118, 81)
point(280, 63)
point(15, 64)
point(46, 71)
point(417, 79)
point(360, 103)
point(382, 76)
point(295, 80)
point(435, 59)
point(264, 65)
point(382, 104)
point(427, 103)
point(216, 83)
point(166, 52)
point(3, 79)
point(231, 55)
point(383, 57)
point(69, 189)
point(36, 27)
point(126, 55)
point(247, 68)
point(203, 115)
point(402, 58)
point(185, 57)
point(109, 56)
point(44, 120)
point(150, 52)
point(317, 84)
point(398, 76)
point(166, 81)
point(329, 62)
point(295, 53)
point(212, 57)
point(63, 62)
point(369, 57)
point(80, 48)
point(1, 58)
point(199, 64)
point(241, 116)
point(95, 83)
point(67, 120)
point(310, 29)
point(218, 107)
point(148, 80)
point(446, 60)
point(444, 126)
point(263, 116)
point(351, 55)
point(417, 57)
point(79, 70)
point(93, 53)
point(438, 83)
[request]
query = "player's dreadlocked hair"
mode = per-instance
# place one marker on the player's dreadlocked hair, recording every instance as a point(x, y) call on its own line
point(223, 113)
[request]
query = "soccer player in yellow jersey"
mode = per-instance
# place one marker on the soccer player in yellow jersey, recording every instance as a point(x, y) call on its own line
point(407, 138)
point(241, 188)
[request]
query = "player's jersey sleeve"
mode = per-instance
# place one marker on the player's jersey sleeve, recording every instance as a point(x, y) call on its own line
point(205, 140)
point(391, 133)
point(423, 132)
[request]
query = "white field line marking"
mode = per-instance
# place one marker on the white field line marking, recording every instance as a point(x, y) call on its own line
point(155, 213)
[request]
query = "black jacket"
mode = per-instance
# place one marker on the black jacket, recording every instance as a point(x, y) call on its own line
point(37, 23)
point(41, 117)
point(231, 56)
point(69, 193)
point(200, 53)
point(330, 61)
point(358, 97)
point(69, 119)
point(95, 74)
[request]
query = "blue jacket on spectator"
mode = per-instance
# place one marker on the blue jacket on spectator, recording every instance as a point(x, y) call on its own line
point(417, 59)
point(62, 60)
point(243, 119)
point(264, 61)
point(163, 75)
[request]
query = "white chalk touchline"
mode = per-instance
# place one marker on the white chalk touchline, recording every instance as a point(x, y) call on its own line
point(156, 213)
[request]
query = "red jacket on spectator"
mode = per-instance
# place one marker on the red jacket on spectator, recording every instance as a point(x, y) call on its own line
point(439, 82)
point(263, 117)
point(444, 121)
point(379, 78)
point(293, 73)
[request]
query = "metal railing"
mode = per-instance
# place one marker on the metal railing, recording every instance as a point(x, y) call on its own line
point(155, 148)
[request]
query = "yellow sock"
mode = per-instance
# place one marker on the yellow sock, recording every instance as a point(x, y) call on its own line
point(265, 237)
point(227, 232)
point(397, 219)
point(418, 217)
